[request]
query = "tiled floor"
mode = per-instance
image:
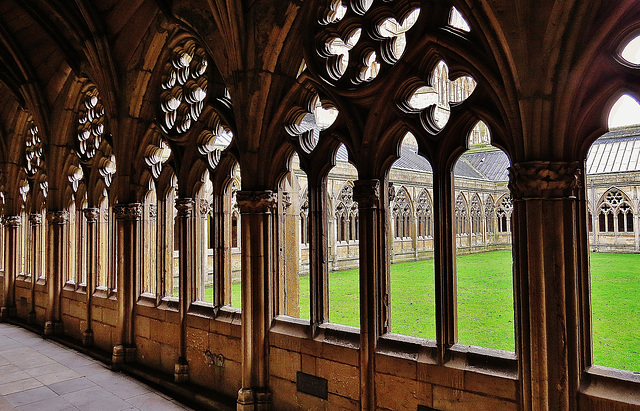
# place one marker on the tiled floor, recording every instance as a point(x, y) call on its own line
point(41, 375)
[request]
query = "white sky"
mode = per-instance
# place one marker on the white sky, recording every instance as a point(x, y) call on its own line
point(626, 111)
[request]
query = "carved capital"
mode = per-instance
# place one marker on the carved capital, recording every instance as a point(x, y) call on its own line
point(544, 179)
point(286, 200)
point(58, 217)
point(392, 192)
point(367, 193)
point(153, 210)
point(35, 219)
point(205, 208)
point(11, 221)
point(256, 201)
point(91, 214)
point(185, 207)
point(130, 212)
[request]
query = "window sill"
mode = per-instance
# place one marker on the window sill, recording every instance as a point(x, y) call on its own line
point(147, 300)
point(202, 309)
point(170, 304)
point(606, 385)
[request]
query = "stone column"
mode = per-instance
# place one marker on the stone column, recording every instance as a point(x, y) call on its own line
point(201, 244)
point(91, 215)
point(57, 260)
point(318, 253)
point(257, 218)
point(373, 282)
point(35, 221)
point(128, 266)
point(12, 225)
point(186, 241)
point(547, 263)
point(289, 284)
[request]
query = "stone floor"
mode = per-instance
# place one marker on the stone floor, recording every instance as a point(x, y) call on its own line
point(39, 374)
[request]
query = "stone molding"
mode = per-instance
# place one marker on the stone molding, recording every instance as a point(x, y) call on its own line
point(544, 179)
point(256, 201)
point(130, 212)
point(35, 219)
point(286, 200)
point(58, 217)
point(91, 214)
point(11, 221)
point(185, 207)
point(153, 211)
point(367, 193)
point(205, 208)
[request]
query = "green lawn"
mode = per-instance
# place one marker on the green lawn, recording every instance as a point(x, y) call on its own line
point(485, 303)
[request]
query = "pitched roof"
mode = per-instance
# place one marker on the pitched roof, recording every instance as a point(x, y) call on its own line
point(616, 151)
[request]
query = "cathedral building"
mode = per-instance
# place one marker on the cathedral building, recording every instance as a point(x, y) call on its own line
point(176, 174)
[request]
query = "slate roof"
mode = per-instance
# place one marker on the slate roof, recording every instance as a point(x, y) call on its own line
point(616, 151)
point(484, 164)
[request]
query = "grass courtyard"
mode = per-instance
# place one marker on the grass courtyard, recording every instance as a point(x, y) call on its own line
point(485, 303)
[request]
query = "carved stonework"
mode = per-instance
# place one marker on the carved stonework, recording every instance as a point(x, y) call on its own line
point(153, 211)
point(35, 219)
point(367, 193)
point(91, 214)
point(544, 179)
point(392, 193)
point(185, 207)
point(286, 200)
point(256, 201)
point(131, 211)
point(401, 205)
point(205, 208)
point(58, 217)
point(12, 221)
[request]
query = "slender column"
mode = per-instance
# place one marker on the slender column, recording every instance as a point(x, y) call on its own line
point(289, 250)
point(318, 254)
point(11, 232)
point(257, 218)
point(128, 266)
point(373, 313)
point(201, 244)
point(186, 241)
point(35, 221)
point(57, 259)
point(547, 252)
point(91, 214)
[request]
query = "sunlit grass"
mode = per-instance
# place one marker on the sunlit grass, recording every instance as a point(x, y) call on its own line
point(485, 303)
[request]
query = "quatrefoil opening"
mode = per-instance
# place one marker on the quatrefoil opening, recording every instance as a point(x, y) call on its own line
point(33, 149)
point(90, 125)
point(213, 142)
point(184, 87)
point(307, 124)
point(394, 34)
point(434, 101)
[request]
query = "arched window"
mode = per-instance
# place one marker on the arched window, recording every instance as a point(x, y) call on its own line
point(402, 212)
point(482, 171)
point(504, 215)
point(489, 214)
point(611, 168)
point(461, 216)
point(476, 215)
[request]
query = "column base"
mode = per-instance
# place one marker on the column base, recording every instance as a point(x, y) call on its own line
point(87, 338)
point(254, 399)
point(7, 312)
point(122, 355)
point(181, 371)
point(53, 328)
point(31, 318)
